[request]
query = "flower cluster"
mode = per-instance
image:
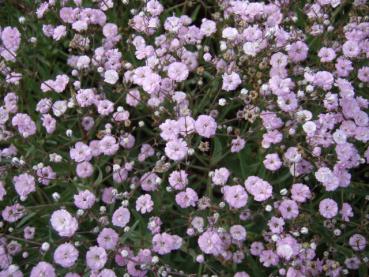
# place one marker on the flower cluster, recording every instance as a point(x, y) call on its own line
point(156, 138)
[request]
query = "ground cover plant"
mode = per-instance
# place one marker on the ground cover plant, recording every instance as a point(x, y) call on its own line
point(184, 138)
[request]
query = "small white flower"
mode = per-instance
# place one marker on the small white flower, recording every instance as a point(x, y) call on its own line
point(21, 19)
point(304, 230)
point(223, 45)
point(245, 91)
point(56, 196)
point(283, 191)
point(102, 209)
point(45, 246)
point(155, 259)
point(222, 102)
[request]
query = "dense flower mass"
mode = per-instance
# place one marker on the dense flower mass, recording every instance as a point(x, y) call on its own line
point(184, 138)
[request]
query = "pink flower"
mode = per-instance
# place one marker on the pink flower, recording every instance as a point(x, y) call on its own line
point(351, 49)
point(43, 269)
point(268, 258)
point(107, 196)
point(346, 212)
point(144, 204)
point(105, 107)
point(287, 248)
point(96, 258)
point(110, 30)
point(328, 208)
point(107, 239)
point(272, 162)
point(66, 255)
point(241, 274)
point(220, 176)
point(231, 81)
point(45, 175)
point(25, 125)
point(324, 80)
point(64, 223)
point(278, 60)
point(80, 152)
point(164, 243)
point(13, 213)
point(357, 242)
point(178, 71)
point(111, 77)
point(326, 54)
point(187, 198)
point(176, 150)
point(208, 27)
point(154, 7)
point(10, 38)
point(2, 191)
point(149, 182)
point(363, 74)
point(121, 217)
point(24, 184)
point(178, 179)
point(238, 232)
point(49, 123)
point(276, 225)
point(84, 200)
point(300, 192)
point(84, 170)
point(205, 126)
point(108, 145)
point(169, 130)
point(210, 243)
point(59, 32)
point(59, 85)
point(235, 196)
point(288, 209)
point(29, 232)
point(237, 145)
point(230, 33)
point(327, 178)
point(298, 51)
point(260, 189)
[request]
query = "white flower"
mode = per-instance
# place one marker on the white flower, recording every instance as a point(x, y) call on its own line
point(111, 77)
point(250, 48)
point(285, 251)
point(309, 127)
point(60, 107)
point(83, 62)
point(230, 33)
point(339, 136)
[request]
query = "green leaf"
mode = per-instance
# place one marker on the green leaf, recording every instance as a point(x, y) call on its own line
point(255, 267)
point(217, 151)
point(363, 270)
point(99, 178)
point(195, 12)
point(131, 230)
point(25, 220)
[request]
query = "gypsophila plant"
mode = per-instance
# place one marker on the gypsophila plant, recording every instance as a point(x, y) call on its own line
point(184, 138)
